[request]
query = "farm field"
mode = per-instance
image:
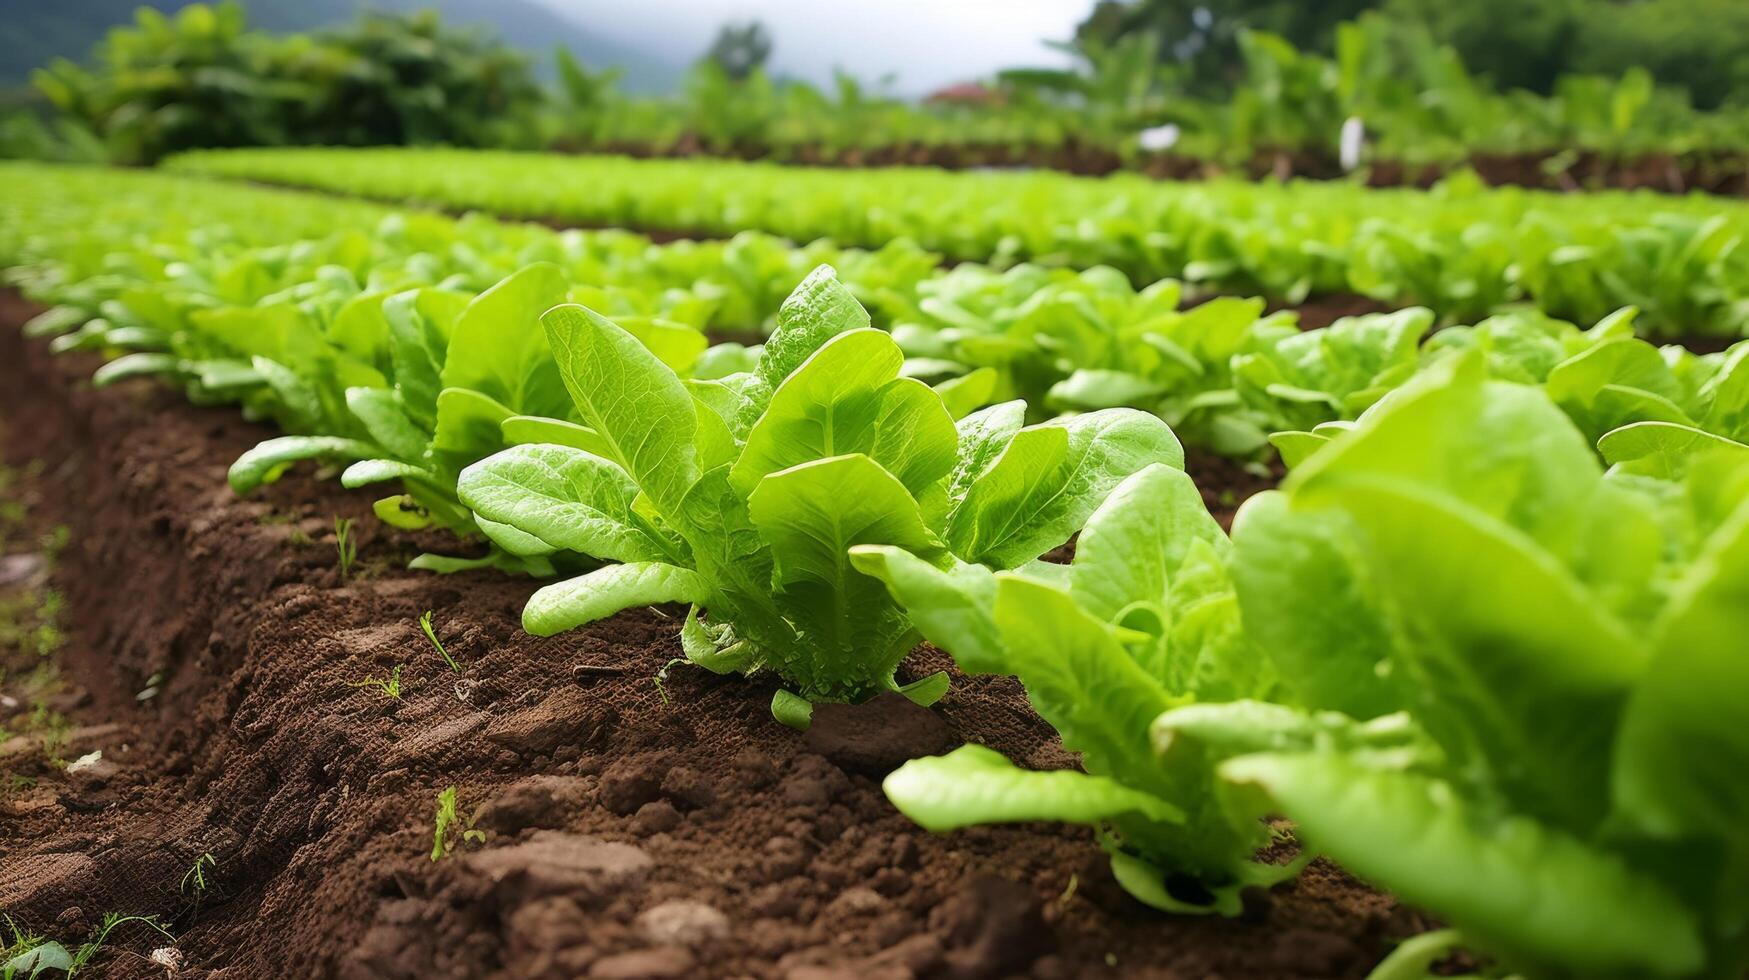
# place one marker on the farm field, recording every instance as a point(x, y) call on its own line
point(429, 561)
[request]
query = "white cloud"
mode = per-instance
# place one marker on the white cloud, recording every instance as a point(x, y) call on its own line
point(926, 43)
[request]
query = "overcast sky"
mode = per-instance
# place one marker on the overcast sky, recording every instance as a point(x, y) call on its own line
point(928, 43)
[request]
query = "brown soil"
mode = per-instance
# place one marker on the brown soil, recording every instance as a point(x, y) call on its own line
point(1700, 344)
point(1318, 312)
point(1226, 482)
point(629, 832)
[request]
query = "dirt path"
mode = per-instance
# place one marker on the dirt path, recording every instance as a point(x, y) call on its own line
point(628, 832)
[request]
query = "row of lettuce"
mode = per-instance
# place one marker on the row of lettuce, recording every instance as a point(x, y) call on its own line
point(1470, 662)
point(1463, 250)
point(164, 269)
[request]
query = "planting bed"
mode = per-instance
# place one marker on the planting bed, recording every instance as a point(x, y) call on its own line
point(631, 830)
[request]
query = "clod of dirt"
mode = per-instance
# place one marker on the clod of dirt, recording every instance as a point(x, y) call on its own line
point(657, 817)
point(879, 735)
point(688, 787)
point(396, 947)
point(992, 927)
point(754, 768)
point(813, 782)
point(551, 863)
point(785, 857)
point(920, 954)
point(628, 784)
point(428, 746)
point(645, 964)
point(857, 903)
point(545, 926)
point(682, 923)
point(538, 801)
point(567, 716)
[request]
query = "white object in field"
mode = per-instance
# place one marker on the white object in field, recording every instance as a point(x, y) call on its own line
point(86, 761)
point(1352, 142)
point(168, 957)
point(1158, 138)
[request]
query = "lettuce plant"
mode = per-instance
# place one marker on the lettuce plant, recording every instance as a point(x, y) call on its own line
point(1568, 642)
point(1298, 381)
point(1066, 341)
point(742, 496)
point(455, 363)
point(1647, 408)
point(461, 378)
point(1145, 621)
point(1463, 250)
point(1178, 364)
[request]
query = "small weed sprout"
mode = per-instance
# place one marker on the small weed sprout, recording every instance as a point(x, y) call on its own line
point(53, 732)
point(55, 541)
point(15, 783)
point(346, 545)
point(431, 634)
point(111, 922)
point(195, 881)
point(390, 688)
point(449, 820)
point(661, 679)
point(21, 942)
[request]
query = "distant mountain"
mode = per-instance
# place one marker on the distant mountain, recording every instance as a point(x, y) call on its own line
point(32, 32)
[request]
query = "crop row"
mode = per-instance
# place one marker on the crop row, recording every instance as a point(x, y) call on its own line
point(1471, 664)
point(1463, 250)
point(202, 300)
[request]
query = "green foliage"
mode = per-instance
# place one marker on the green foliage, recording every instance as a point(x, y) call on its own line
point(1206, 39)
point(740, 50)
point(201, 79)
point(345, 545)
point(195, 881)
point(449, 828)
point(1255, 87)
point(743, 495)
point(431, 634)
point(1462, 251)
point(28, 955)
point(1144, 622)
point(1581, 654)
point(1687, 43)
point(389, 687)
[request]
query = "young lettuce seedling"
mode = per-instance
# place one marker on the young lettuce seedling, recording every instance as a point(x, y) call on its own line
point(743, 495)
point(447, 821)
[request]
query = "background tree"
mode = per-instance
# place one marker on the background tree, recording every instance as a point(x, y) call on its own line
point(739, 50)
point(202, 79)
point(1699, 45)
point(1202, 35)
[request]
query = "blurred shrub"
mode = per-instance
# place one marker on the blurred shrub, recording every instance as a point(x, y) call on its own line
point(202, 79)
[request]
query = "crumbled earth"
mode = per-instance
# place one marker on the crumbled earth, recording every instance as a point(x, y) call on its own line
point(606, 827)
